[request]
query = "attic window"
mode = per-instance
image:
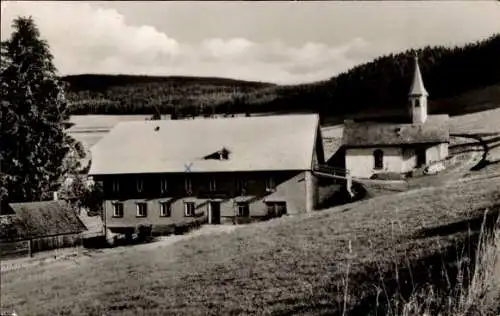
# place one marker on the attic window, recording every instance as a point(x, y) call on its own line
point(222, 154)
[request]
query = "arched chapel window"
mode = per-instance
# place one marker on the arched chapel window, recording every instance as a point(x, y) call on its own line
point(378, 157)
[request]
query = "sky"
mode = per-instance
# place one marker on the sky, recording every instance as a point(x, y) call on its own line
point(279, 42)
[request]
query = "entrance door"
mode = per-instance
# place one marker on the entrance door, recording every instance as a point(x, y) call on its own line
point(214, 212)
point(420, 157)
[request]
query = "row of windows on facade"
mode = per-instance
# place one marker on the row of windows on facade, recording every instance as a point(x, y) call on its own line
point(188, 185)
point(242, 209)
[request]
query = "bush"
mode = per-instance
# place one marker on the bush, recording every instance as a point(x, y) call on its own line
point(95, 242)
point(188, 225)
point(163, 230)
point(143, 232)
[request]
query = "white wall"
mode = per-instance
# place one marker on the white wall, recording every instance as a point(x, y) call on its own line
point(360, 161)
point(444, 150)
point(409, 160)
point(436, 153)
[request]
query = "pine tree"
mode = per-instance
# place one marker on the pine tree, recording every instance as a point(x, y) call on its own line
point(36, 153)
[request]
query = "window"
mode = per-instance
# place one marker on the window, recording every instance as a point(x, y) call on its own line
point(165, 209)
point(270, 185)
point(243, 209)
point(241, 186)
point(142, 209)
point(116, 185)
point(417, 103)
point(117, 209)
point(378, 157)
point(276, 209)
point(188, 185)
point(189, 209)
point(212, 185)
point(139, 185)
point(164, 185)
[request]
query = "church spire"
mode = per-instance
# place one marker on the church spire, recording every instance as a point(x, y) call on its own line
point(418, 96)
point(417, 86)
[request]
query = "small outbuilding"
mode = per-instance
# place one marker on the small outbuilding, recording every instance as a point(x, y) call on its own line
point(26, 228)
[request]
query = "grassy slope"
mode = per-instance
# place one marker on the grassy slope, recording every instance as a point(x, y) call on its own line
point(484, 125)
point(283, 266)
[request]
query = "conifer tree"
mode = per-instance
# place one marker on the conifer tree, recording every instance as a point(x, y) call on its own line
point(36, 153)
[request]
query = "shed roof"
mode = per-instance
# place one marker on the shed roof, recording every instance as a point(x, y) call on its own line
point(261, 143)
point(360, 134)
point(39, 219)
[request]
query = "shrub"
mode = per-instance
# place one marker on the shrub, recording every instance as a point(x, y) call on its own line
point(143, 232)
point(189, 224)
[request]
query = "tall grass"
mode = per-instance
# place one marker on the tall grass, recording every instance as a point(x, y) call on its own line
point(474, 289)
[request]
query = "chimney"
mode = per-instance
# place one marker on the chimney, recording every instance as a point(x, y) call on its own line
point(54, 196)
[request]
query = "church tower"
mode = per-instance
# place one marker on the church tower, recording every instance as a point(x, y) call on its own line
point(418, 96)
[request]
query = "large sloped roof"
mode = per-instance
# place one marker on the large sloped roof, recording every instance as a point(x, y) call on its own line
point(260, 143)
point(434, 130)
point(39, 219)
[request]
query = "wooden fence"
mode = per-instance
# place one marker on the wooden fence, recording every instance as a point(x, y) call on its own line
point(23, 248)
point(15, 249)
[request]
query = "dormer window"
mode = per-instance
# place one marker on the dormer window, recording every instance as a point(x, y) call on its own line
point(139, 185)
point(222, 154)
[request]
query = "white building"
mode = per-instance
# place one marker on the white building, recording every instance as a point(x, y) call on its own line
point(381, 146)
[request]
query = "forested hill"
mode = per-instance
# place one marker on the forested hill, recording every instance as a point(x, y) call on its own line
point(129, 94)
point(379, 85)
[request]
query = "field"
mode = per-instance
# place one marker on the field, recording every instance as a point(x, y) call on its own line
point(314, 263)
point(351, 258)
point(288, 265)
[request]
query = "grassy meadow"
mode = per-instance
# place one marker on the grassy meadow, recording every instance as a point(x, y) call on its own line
point(350, 258)
point(402, 254)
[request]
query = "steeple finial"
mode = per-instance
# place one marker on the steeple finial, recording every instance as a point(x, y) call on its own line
point(417, 86)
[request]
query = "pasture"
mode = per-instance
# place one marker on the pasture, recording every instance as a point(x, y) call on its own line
point(288, 265)
point(351, 258)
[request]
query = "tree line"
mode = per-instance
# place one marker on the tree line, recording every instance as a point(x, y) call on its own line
point(380, 84)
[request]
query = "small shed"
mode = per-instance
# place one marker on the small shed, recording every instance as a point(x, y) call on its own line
point(26, 228)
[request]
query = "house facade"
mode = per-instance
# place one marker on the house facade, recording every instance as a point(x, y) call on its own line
point(166, 173)
point(380, 146)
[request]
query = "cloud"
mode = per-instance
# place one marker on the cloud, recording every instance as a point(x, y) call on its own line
point(86, 38)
